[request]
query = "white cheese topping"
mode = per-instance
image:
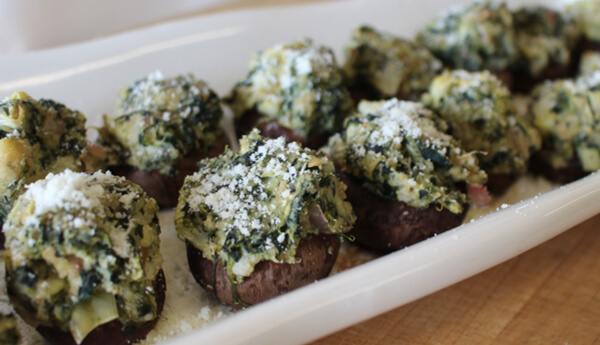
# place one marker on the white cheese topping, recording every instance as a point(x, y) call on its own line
point(238, 193)
point(393, 116)
point(65, 191)
point(82, 196)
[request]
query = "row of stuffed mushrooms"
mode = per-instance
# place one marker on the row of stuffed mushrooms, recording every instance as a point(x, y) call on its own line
point(385, 151)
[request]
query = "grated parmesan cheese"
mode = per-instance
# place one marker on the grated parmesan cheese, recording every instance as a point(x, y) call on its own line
point(252, 206)
point(299, 85)
point(161, 120)
point(399, 148)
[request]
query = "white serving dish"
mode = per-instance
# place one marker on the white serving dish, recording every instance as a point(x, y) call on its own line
point(216, 48)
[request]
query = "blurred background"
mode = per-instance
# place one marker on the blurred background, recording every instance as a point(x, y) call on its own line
point(40, 24)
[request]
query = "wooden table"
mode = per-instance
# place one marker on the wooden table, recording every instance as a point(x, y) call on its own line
point(548, 295)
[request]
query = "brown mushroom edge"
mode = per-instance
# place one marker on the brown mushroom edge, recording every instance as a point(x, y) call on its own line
point(273, 129)
point(523, 82)
point(164, 188)
point(570, 173)
point(498, 184)
point(388, 225)
point(506, 77)
point(316, 257)
point(590, 45)
point(112, 332)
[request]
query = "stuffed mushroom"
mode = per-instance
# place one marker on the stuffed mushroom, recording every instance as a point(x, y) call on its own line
point(547, 40)
point(294, 90)
point(566, 114)
point(476, 37)
point(407, 180)
point(162, 128)
point(83, 262)
point(480, 114)
point(263, 221)
point(380, 66)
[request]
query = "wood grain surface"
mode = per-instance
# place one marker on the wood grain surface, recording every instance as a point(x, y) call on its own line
point(548, 295)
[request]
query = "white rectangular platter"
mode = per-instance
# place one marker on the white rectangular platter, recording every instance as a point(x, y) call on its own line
point(216, 48)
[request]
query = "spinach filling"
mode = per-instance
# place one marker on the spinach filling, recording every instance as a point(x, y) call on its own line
point(37, 137)
point(567, 114)
point(243, 208)
point(393, 66)
point(160, 121)
point(480, 113)
point(544, 37)
point(475, 37)
point(83, 250)
point(401, 152)
point(299, 85)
